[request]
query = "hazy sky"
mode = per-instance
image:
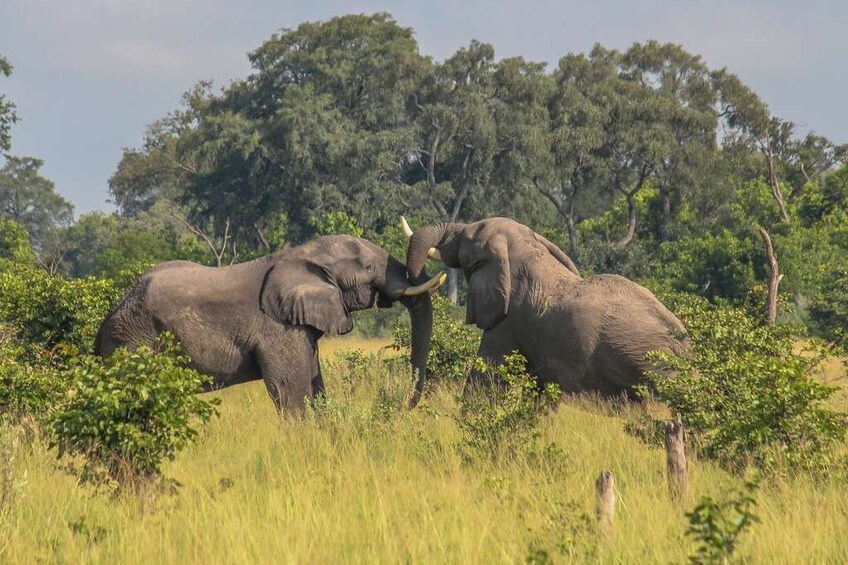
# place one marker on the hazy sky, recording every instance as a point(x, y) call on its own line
point(89, 76)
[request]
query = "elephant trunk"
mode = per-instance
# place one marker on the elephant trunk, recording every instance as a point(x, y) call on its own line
point(420, 243)
point(421, 316)
point(420, 310)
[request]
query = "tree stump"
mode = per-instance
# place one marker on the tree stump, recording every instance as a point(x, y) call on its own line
point(605, 489)
point(675, 451)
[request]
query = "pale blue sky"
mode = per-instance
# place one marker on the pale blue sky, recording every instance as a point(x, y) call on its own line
point(91, 75)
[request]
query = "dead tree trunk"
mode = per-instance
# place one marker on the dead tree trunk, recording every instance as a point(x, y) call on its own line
point(675, 453)
point(605, 489)
point(774, 279)
point(773, 182)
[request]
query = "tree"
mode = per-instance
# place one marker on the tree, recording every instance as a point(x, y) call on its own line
point(7, 110)
point(14, 242)
point(456, 135)
point(32, 201)
point(747, 120)
point(682, 86)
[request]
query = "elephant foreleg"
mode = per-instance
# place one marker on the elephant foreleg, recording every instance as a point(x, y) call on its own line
point(289, 379)
point(494, 346)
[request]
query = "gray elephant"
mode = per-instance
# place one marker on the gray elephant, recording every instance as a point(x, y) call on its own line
point(263, 319)
point(527, 295)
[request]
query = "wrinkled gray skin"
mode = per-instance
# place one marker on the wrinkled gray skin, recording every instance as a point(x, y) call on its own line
point(263, 319)
point(527, 295)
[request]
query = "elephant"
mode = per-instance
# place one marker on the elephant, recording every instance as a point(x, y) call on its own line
point(528, 296)
point(263, 318)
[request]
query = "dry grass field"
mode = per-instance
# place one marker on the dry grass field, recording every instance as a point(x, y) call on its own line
point(353, 488)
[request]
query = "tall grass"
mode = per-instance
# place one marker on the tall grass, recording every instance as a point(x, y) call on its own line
point(348, 486)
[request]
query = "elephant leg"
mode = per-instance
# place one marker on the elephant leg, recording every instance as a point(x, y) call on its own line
point(317, 380)
point(290, 376)
point(494, 346)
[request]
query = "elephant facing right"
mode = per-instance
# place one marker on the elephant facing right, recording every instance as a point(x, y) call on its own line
point(527, 295)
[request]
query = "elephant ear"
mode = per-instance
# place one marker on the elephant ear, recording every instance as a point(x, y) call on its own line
point(298, 293)
point(489, 285)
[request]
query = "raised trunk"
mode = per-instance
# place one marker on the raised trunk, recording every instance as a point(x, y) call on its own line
point(419, 244)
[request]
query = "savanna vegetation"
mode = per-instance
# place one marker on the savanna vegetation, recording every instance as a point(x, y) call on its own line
point(644, 162)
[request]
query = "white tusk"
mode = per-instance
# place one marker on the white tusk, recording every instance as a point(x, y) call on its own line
point(429, 286)
point(433, 253)
point(406, 229)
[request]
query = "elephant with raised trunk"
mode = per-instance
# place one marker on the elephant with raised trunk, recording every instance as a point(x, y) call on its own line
point(527, 295)
point(263, 319)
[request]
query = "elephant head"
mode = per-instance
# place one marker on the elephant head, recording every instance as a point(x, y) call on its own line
point(320, 283)
point(489, 252)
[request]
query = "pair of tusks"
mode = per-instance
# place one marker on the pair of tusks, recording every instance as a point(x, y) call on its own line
point(432, 253)
point(433, 284)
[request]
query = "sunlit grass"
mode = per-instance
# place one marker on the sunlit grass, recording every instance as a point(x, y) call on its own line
point(258, 489)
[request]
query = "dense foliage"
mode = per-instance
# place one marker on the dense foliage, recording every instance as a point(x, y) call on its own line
point(128, 413)
point(52, 315)
point(744, 393)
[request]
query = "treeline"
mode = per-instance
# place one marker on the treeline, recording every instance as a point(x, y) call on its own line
point(644, 162)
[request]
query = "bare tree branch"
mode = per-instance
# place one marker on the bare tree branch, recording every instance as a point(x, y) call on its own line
point(217, 252)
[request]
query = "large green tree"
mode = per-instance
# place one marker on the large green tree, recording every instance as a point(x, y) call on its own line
point(32, 201)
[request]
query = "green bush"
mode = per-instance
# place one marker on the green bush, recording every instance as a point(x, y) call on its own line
point(501, 417)
point(454, 345)
point(743, 393)
point(54, 315)
point(127, 413)
point(14, 243)
point(716, 525)
point(25, 390)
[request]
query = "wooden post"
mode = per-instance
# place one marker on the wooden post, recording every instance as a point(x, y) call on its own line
point(605, 488)
point(675, 452)
point(774, 279)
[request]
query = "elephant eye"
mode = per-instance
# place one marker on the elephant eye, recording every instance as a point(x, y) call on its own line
point(369, 268)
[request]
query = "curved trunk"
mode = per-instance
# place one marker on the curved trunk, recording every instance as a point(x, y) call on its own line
point(420, 243)
point(421, 316)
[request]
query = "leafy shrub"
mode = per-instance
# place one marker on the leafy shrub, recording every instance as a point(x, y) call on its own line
point(25, 390)
point(14, 242)
point(716, 525)
point(501, 417)
point(743, 393)
point(127, 413)
point(454, 345)
point(53, 314)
